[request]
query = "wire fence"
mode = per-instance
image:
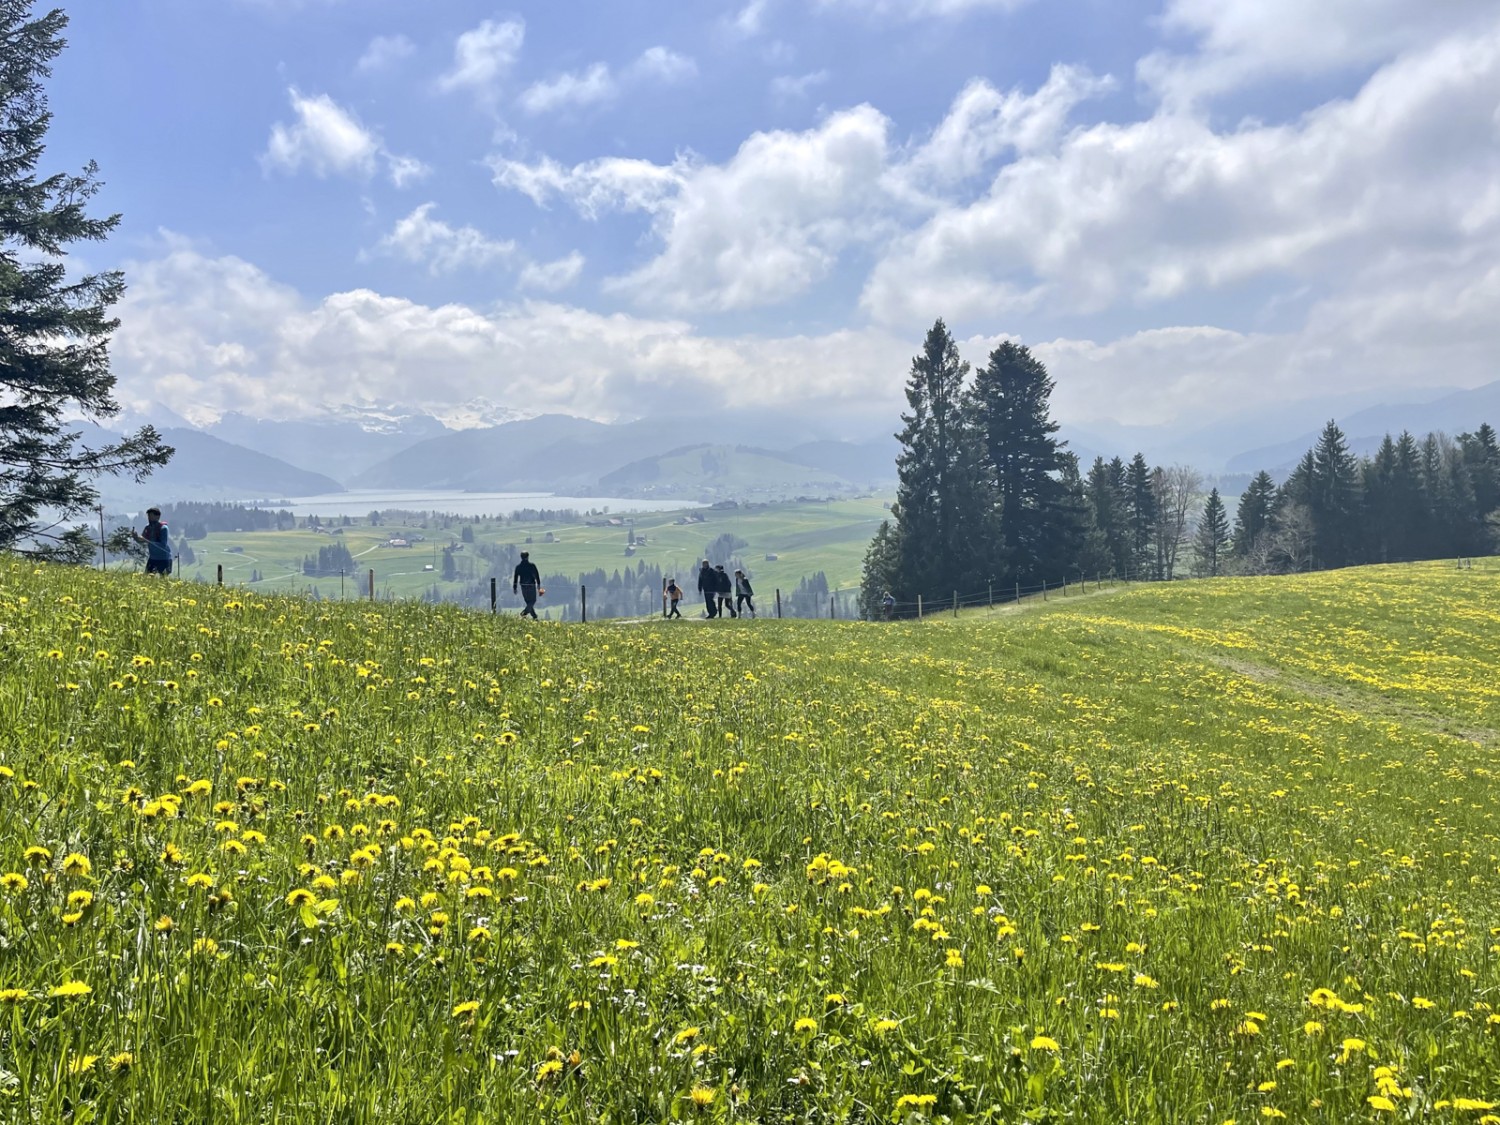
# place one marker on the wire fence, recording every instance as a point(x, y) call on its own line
point(570, 602)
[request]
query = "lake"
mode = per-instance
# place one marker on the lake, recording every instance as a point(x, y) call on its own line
point(362, 502)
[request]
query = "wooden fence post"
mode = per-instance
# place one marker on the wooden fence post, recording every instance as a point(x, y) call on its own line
point(830, 607)
point(583, 599)
point(778, 602)
point(221, 574)
point(992, 594)
point(1044, 589)
point(919, 607)
point(955, 603)
point(494, 594)
point(372, 584)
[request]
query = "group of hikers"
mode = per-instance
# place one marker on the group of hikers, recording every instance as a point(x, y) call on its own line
point(721, 594)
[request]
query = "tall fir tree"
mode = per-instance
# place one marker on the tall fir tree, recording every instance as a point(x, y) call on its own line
point(1252, 519)
point(1334, 499)
point(1105, 488)
point(1211, 541)
point(1143, 517)
point(54, 328)
point(1041, 530)
point(945, 514)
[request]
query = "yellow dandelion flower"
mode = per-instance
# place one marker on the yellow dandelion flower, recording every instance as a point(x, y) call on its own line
point(71, 990)
point(1382, 1103)
point(467, 1008)
point(77, 865)
point(1045, 1043)
point(14, 882)
point(14, 995)
point(702, 1096)
point(806, 1025)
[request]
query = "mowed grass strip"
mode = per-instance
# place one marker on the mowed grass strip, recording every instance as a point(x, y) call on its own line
point(268, 859)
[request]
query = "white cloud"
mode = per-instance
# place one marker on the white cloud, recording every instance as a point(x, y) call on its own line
point(483, 57)
point(750, 20)
point(218, 333)
point(1243, 41)
point(597, 84)
point(1155, 209)
point(984, 124)
point(661, 64)
point(383, 52)
point(769, 223)
point(922, 9)
point(328, 140)
point(442, 248)
point(795, 87)
point(570, 90)
point(552, 277)
point(596, 187)
point(758, 229)
point(209, 334)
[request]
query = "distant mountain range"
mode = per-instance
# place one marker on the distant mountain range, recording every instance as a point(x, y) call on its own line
point(1452, 414)
point(760, 453)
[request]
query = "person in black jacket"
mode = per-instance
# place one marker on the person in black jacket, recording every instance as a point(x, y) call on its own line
point(529, 581)
point(744, 595)
point(708, 586)
point(726, 592)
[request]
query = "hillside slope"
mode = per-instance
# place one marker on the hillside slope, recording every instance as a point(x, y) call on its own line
point(1005, 868)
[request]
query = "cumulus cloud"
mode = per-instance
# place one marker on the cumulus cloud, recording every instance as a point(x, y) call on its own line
point(1237, 42)
point(597, 84)
point(1170, 205)
point(328, 140)
point(483, 57)
point(442, 248)
point(762, 227)
point(219, 333)
point(384, 52)
point(575, 89)
point(595, 187)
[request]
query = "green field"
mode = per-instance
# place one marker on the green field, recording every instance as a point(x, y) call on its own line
point(829, 536)
point(1206, 852)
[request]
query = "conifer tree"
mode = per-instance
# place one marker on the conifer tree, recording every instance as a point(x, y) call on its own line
point(944, 514)
point(1212, 539)
point(1041, 531)
point(1333, 499)
point(1143, 517)
point(1252, 519)
point(54, 327)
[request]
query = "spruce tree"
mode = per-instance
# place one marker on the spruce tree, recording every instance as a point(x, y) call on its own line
point(943, 511)
point(1252, 519)
point(54, 328)
point(1041, 531)
point(1334, 499)
point(1212, 539)
point(1143, 517)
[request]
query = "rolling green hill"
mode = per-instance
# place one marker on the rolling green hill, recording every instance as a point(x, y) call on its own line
point(1211, 851)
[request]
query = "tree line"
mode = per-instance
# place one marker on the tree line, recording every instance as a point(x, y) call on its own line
point(989, 499)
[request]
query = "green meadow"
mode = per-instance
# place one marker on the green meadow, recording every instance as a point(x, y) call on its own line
point(1222, 851)
point(807, 537)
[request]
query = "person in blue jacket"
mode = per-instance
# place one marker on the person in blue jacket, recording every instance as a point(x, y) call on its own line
point(158, 542)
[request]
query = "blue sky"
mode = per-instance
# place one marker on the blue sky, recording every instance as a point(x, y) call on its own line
point(1187, 207)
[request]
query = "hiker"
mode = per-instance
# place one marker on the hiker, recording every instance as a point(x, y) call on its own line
point(674, 595)
point(158, 542)
point(726, 592)
point(744, 594)
point(708, 586)
point(888, 603)
point(529, 580)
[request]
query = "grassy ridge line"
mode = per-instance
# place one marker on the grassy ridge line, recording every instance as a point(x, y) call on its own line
point(1113, 855)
